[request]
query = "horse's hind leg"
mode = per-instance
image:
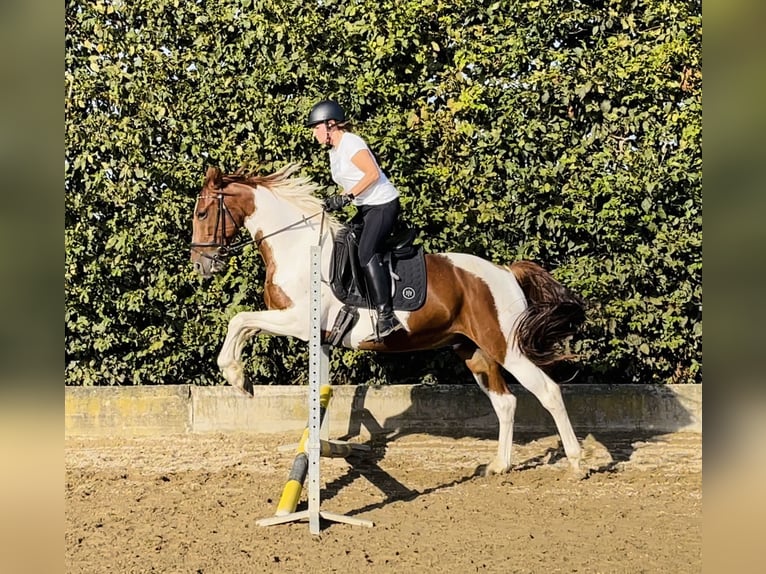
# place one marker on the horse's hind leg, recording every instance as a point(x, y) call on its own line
point(245, 325)
point(549, 394)
point(487, 373)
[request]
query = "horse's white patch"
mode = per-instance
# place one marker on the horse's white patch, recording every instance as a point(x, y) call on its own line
point(510, 301)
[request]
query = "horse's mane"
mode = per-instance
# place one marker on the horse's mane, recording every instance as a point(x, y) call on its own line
point(298, 191)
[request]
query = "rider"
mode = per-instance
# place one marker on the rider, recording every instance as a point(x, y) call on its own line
point(355, 170)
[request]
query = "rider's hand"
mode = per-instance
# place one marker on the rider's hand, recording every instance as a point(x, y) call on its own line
point(337, 202)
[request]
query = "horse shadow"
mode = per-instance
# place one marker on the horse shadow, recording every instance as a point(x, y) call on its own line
point(367, 466)
point(643, 413)
point(596, 418)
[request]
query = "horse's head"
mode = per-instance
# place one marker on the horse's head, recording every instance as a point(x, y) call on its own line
point(220, 211)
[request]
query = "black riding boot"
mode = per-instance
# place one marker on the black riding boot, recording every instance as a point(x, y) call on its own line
point(379, 288)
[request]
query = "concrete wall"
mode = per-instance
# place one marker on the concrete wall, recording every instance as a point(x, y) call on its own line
point(355, 410)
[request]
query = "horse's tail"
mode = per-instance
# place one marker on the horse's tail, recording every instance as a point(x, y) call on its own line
point(553, 313)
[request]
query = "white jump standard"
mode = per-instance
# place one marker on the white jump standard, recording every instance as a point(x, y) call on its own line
point(319, 366)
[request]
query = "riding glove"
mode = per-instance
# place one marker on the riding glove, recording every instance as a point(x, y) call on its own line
point(337, 202)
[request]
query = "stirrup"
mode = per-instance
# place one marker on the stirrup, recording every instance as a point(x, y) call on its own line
point(390, 325)
point(345, 319)
point(390, 328)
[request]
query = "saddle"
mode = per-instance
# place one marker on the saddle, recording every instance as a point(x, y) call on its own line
point(406, 265)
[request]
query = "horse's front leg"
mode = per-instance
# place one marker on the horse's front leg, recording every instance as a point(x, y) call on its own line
point(245, 325)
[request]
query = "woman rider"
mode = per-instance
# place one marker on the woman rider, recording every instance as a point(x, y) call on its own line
point(361, 182)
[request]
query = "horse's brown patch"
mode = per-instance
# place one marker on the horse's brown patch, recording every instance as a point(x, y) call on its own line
point(458, 305)
point(480, 318)
point(484, 368)
point(273, 294)
point(239, 202)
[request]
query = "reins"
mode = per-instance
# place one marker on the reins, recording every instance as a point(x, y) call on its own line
point(244, 243)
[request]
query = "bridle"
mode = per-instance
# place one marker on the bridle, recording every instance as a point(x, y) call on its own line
point(223, 214)
point(223, 244)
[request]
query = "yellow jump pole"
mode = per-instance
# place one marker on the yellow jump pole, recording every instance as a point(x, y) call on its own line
point(291, 493)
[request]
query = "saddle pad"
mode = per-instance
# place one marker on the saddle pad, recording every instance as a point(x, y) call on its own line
point(410, 287)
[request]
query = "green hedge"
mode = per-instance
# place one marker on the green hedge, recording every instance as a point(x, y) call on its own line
point(564, 132)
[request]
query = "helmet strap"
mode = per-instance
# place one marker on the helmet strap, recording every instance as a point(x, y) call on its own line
point(328, 124)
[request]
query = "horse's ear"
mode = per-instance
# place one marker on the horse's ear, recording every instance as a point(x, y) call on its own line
point(213, 177)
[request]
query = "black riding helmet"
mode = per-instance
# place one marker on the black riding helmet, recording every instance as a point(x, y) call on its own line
point(325, 111)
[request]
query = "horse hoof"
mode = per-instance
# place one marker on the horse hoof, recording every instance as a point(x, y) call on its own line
point(578, 475)
point(492, 468)
point(248, 392)
point(577, 472)
point(235, 376)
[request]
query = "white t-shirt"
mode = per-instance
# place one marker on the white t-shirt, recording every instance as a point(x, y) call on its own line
point(347, 175)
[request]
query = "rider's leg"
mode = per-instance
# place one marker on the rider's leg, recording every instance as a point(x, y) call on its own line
point(379, 288)
point(378, 222)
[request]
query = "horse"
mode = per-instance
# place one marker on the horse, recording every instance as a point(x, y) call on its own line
point(513, 317)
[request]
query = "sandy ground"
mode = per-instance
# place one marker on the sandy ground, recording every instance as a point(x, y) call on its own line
point(190, 504)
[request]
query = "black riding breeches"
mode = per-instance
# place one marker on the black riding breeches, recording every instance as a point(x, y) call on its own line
point(377, 222)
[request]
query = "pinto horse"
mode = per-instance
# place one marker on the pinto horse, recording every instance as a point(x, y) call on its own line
point(511, 317)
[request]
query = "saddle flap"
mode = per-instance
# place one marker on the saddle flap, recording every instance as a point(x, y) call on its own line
point(402, 242)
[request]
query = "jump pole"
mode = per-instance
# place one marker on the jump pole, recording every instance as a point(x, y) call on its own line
point(319, 369)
